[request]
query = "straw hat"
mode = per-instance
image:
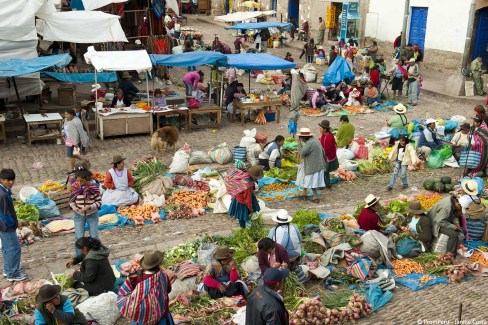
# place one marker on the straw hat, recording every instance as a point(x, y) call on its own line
point(371, 200)
point(48, 292)
point(117, 158)
point(223, 252)
point(414, 207)
point(304, 132)
point(412, 60)
point(399, 109)
point(469, 186)
point(151, 259)
point(125, 75)
point(282, 217)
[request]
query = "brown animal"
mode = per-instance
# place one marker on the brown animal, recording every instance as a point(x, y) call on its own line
point(164, 137)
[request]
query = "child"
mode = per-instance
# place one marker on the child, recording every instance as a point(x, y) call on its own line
point(158, 99)
point(85, 201)
point(25, 234)
point(402, 155)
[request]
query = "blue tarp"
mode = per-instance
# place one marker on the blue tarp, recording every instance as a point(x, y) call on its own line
point(253, 61)
point(337, 72)
point(20, 67)
point(82, 77)
point(270, 24)
point(189, 59)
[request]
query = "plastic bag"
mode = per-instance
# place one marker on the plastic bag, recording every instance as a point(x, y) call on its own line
point(439, 245)
point(435, 159)
point(153, 199)
point(377, 298)
point(180, 163)
point(205, 253)
point(446, 151)
point(407, 246)
point(178, 49)
point(344, 154)
point(102, 308)
point(160, 186)
point(49, 210)
point(199, 157)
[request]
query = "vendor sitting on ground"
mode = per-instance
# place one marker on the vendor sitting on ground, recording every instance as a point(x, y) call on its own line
point(127, 86)
point(346, 132)
point(473, 210)
point(286, 84)
point(120, 100)
point(287, 234)
point(372, 95)
point(271, 254)
point(354, 98)
point(95, 275)
point(158, 99)
point(369, 218)
point(418, 226)
point(332, 94)
point(221, 275)
point(270, 157)
point(53, 308)
point(289, 57)
point(460, 140)
point(118, 185)
point(398, 122)
point(319, 99)
point(428, 140)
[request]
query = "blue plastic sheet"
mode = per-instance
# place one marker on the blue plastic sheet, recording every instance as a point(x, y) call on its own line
point(412, 281)
point(256, 61)
point(377, 298)
point(107, 209)
point(388, 106)
point(19, 67)
point(262, 25)
point(187, 59)
point(82, 77)
point(288, 193)
point(337, 72)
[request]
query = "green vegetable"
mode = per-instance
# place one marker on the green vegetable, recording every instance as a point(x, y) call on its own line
point(287, 174)
point(438, 187)
point(366, 167)
point(358, 210)
point(290, 157)
point(446, 180)
point(312, 247)
point(396, 206)
point(301, 218)
point(448, 188)
point(426, 258)
point(26, 211)
point(65, 281)
point(343, 277)
point(334, 225)
point(146, 172)
point(429, 184)
point(180, 253)
point(337, 300)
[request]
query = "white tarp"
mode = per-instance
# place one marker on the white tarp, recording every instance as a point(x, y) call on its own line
point(118, 60)
point(80, 27)
point(95, 4)
point(243, 15)
point(173, 5)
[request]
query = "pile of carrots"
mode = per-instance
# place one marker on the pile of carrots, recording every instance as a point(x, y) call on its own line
point(139, 213)
point(198, 199)
point(478, 257)
point(311, 111)
point(346, 175)
point(260, 119)
point(405, 267)
point(355, 109)
point(424, 279)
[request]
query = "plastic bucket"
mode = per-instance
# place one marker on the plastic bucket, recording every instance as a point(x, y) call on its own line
point(26, 192)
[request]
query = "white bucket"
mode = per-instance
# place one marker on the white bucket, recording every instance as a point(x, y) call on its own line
point(276, 44)
point(99, 105)
point(26, 192)
point(310, 76)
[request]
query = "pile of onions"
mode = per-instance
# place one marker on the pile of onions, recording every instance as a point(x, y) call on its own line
point(457, 273)
point(313, 312)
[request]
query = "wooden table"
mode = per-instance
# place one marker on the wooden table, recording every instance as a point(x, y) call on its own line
point(171, 112)
point(205, 109)
point(124, 124)
point(244, 107)
point(43, 119)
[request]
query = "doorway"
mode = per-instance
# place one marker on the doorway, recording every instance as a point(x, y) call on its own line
point(418, 26)
point(481, 39)
point(293, 11)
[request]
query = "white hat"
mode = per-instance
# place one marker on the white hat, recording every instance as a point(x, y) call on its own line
point(400, 109)
point(412, 60)
point(320, 47)
point(469, 186)
point(371, 200)
point(429, 121)
point(282, 217)
point(304, 132)
point(138, 42)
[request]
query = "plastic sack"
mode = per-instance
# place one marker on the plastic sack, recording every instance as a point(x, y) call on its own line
point(199, 157)
point(153, 199)
point(221, 154)
point(407, 246)
point(376, 297)
point(435, 160)
point(47, 207)
point(249, 138)
point(344, 154)
point(193, 103)
point(253, 152)
point(239, 318)
point(451, 125)
point(471, 159)
point(102, 308)
point(180, 163)
point(446, 151)
point(37, 199)
point(178, 49)
point(205, 253)
point(160, 186)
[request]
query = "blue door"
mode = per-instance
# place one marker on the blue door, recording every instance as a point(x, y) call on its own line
point(293, 10)
point(481, 40)
point(418, 24)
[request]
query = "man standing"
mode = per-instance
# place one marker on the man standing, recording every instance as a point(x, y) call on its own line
point(265, 305)
point(320, 39)
point(478, 81)
point(8, 225)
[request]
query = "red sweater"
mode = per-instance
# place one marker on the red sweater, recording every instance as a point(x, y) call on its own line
point(245, 197)
point(369, 220)
point(281, 257)
point(212, 283)
point(329, 145)
point(374, 76)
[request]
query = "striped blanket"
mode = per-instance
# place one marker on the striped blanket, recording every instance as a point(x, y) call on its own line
point(480, 137)
point(237, 181)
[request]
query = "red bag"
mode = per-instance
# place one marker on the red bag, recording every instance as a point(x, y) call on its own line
point(193, 103)
point(261, 138)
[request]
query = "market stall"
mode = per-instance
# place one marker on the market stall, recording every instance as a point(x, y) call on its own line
point(243, 16)
point(274, 28)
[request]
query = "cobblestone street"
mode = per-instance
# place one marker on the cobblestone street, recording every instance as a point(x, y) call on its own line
point(407, 307)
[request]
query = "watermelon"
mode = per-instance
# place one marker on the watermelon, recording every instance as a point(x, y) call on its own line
point(446, 180)
point(448, 188)
point(438, 187)
point(429, 184)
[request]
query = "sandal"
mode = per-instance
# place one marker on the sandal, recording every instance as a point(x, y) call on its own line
point(302, 197)
point(315, 200)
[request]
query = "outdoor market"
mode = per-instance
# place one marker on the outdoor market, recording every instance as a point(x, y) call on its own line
point(180, 179)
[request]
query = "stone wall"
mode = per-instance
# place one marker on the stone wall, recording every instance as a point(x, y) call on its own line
point(217, 7)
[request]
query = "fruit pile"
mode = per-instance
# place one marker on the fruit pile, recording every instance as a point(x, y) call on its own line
point(429, 200)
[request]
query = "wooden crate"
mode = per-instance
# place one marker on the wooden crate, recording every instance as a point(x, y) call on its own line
point(67, 95)
point(61, 198)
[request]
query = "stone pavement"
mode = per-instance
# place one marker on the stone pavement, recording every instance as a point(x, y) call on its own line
point(50, 254)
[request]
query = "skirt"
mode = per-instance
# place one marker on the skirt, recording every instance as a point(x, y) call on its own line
point(168, 320)
point(332, 165)
point(240, 211)
point(310, 181)
point(397, 84)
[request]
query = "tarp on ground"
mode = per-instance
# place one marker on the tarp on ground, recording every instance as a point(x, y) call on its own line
point(256, 61)
point(80, 27)
point(266, 24)
point(19, 67)
point(95, 4)
point(188, 59)
point(118, 60)
point(337, 72)
point(82, 77)
point(243, 15)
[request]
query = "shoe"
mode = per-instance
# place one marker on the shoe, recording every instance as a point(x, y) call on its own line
point(168, 82)
point(21, 277)
point(389, 188)
point(405, 186)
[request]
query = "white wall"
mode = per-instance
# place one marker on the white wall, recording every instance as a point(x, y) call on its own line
point(447, 22)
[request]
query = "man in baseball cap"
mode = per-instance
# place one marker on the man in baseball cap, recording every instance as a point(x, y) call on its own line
point(265, 305)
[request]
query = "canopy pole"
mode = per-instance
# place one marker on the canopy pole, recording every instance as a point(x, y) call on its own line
point(147, 87)
point(18, 96)
point(221, 90)
point(96, 103)
point(249, 81)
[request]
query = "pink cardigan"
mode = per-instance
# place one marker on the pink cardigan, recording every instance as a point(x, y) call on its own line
point(192, 78)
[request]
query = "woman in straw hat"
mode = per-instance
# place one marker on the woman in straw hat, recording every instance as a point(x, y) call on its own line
point(53, 308)
point(221, 276)
point(398, 122)
point(418, 226)
point(473, 210)
point(143, 298)
point(311, 173)
point(240, 185)
point(369, 218)
point(118, 185)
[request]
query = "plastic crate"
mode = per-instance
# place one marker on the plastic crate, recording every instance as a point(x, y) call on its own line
point(270, 116)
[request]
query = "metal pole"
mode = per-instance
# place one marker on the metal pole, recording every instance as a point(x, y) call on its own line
point(406, 13)
point(147, 87)
point(469, 32)
point(18, 96)
point(249, 81)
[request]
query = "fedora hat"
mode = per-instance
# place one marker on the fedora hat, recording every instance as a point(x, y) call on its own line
point(414, 207)
point(469, 186)
point(282, 217)
point(47, 293)
point(304, 132)
point(117, 158)
point(399, 109)
point(151, 259)
point(371, 200)
point(255, 172)
point(325, 124)
point(223, 252)
point(125, 75)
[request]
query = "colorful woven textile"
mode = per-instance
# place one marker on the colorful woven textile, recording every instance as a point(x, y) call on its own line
point(237, 181)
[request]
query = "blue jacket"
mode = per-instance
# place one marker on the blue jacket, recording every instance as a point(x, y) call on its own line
point(8, 217)
point(425, 140)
